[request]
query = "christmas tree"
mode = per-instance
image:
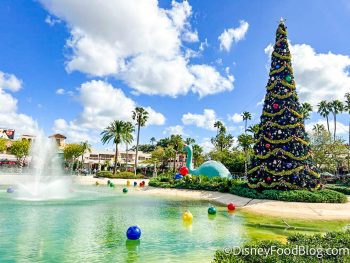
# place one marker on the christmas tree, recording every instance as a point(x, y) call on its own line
point(282, 156)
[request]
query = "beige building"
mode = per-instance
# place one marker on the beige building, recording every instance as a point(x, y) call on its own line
point(98, 159)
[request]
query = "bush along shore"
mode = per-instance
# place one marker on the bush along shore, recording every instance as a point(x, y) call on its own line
point(240, 188)
point(331, 247)
point(120, 175)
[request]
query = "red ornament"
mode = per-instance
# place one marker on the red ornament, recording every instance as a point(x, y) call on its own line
point(267, 145)
point(183, 171)
point(231, 207)
point(275, 106)
point(268, 179)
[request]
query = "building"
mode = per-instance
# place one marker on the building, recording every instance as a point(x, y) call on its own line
point(101, 159)
point(60, 140)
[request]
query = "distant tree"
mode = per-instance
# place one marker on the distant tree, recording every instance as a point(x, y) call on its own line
point(116, 132)
point(164, 142)
point(222, 140)
point(336, 107)
point(254, 129)
point(3, 145)
point(220, 126)
point(20, 149)
point(72, 151)
point(246, 142)
point(324, 109)
point(306, 109)
point(233, 160)
point(198, 157)
point(153, 141)
point(177, 144)
point(140, 115)
point(128, 138)
point(246, 116)
point(347, 109)
point(189, 141)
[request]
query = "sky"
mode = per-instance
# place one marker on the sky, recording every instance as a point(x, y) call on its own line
point(72, 67)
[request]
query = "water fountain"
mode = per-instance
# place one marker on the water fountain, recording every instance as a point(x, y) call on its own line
point(46, 179)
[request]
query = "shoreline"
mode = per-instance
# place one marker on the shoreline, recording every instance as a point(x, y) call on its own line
point(281, 209)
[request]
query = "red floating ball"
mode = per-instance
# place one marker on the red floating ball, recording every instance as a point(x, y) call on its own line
point(275, 106)
point(231, 207)
point(183, 170)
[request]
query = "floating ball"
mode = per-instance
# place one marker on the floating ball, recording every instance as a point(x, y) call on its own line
point(97, 183)
point(108, 182)
point(211, 210)
point(135, 184)
point(231, 207)
point(10, 190)
point(187, 217)
point(275, 106)
point(183, 170)
point(133, 233)
point(125, 190)
point(111, 184)
point(127, 183)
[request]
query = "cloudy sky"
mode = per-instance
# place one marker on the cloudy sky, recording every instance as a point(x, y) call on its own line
point(73, 66)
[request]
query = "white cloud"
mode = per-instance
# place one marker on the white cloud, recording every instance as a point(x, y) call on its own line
point(135, 41)
point(51, 21)
point(174, 130)
point(9, 117)
point(205, 120)
point(342, 129)
point(233, 35)
point(102, 103)
point(60, 91)
point(236, 117)
point(206, 145)
point(319, 76)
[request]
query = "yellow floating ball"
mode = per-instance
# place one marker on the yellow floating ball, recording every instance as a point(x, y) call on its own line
point(187, 216)
point(128, 183)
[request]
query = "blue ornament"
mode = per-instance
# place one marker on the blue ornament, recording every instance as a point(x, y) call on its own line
point(285, 147)
point(278, 66)
point(10, 190)
point(295, 177)
point(178, 176)
point(133, 233)
point(289, 165)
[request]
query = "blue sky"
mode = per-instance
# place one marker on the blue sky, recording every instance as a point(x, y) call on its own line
point(73, 66)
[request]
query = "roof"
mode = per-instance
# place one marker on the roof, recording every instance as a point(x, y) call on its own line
point(58, 136)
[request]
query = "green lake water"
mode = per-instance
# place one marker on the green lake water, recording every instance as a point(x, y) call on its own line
point(90, 227)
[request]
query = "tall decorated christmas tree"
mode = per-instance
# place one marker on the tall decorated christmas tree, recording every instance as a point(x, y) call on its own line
point(282, 155)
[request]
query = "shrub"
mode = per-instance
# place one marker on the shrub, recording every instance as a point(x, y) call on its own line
point(121, 175)
point(319, 196)
point(340, 189)
point(338, 240)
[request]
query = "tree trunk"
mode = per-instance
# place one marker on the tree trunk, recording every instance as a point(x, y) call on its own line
point(335, 126)
point(126, 159)
point(137, 146)
point(115, 159)
point(82, 161)
point(329, 132)
point(175, 161)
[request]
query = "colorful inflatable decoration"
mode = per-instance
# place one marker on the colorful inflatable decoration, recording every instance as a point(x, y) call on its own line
point(10, 190)
point(187, 217)
point(209, 168)
point(133, 233)
point(183, 171)
point(231, 207)
point(178, 176)
point(125, 190)
point(211, 210)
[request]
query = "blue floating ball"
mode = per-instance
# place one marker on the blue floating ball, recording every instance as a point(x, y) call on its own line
point(135, 184)
point(10, 190)
point(178, 176)
point(133, 233)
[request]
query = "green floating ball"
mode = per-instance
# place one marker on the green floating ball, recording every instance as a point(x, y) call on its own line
point(125, 190)
point(111, 184)
point(288, 78)
point(211, 210)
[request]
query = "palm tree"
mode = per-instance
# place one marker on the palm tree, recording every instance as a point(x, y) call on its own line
point(336, 107)
point(245, 141)
point(140, 115)
point(116, 132)
point(85, 147)
point(324, 110)
point(219, 125)
point(318, 128)
point(306, 108)
point(152, 140)
point(189, 141)
point(246, 116)
point(254, 129)
point(128, 138)
point(177, 144)
point(347, 109)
